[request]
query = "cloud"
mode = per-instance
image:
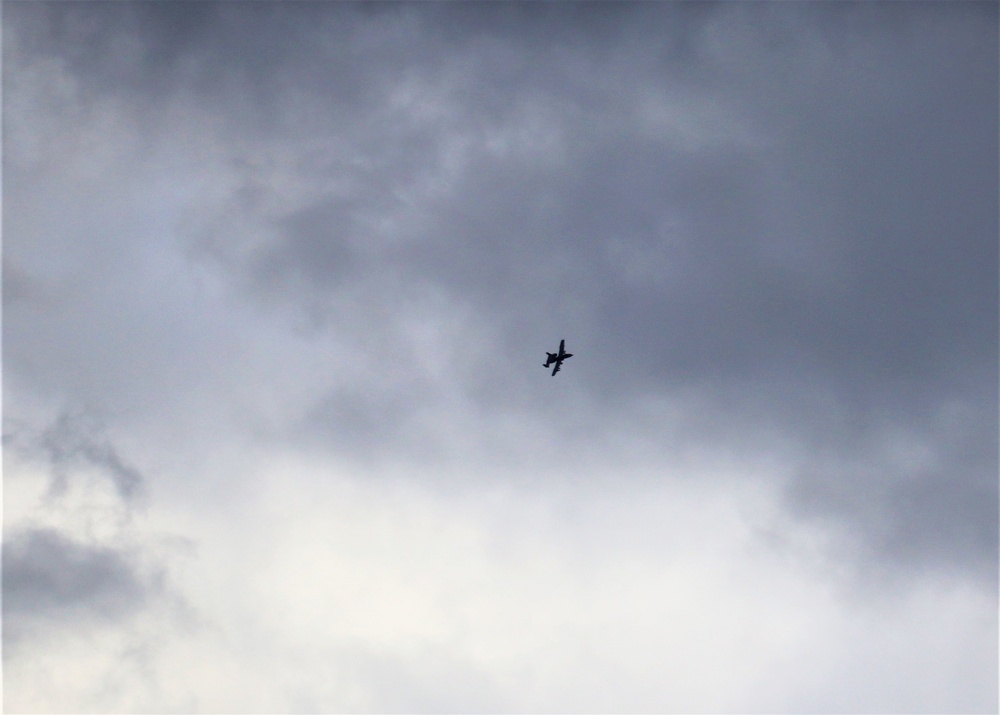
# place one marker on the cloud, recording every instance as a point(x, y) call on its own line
point(73, 559)
point(71, 441)
point(305, 261)
point(50, 577)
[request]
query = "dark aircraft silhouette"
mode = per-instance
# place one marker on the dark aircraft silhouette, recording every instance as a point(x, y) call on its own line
point(557, 358)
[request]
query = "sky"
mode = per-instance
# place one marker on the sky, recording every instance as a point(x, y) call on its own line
point(278, 284)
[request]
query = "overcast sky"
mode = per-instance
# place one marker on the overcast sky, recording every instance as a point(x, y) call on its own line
point(278, 284)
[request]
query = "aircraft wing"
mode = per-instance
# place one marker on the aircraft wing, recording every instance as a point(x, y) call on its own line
point(556, 368)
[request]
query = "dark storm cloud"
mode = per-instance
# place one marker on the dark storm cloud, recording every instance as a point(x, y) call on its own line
point(50, 578)
point(782, 216)
point(919, 490)
point(889, 203)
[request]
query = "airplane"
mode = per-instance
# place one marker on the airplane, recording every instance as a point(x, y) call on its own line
point(557, 358)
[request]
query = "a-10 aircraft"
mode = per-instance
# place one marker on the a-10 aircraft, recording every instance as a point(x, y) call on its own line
point(558, 357)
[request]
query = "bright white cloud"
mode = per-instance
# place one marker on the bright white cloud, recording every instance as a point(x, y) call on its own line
point(348, 595)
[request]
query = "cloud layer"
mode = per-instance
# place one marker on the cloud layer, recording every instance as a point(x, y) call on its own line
point(292, 270)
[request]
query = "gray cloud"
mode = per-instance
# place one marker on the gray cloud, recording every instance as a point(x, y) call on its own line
point(821, 267)
point(768, 233)
point(72, 442)
point(922, 493)
point(78, 566)
point(50, 578)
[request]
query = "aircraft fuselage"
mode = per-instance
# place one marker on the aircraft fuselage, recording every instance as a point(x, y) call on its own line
point(558, 357)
